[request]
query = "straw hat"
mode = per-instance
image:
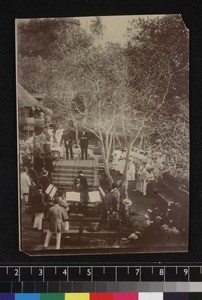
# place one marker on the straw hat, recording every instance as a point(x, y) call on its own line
point(127, 202)
point(133, 236)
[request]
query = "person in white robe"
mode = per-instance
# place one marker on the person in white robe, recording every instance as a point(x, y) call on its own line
point(58, 134)
point(131, 171)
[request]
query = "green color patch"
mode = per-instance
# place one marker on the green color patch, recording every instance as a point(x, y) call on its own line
point(52, 296)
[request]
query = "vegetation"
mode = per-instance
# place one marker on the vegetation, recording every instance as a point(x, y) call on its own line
point(133, 91)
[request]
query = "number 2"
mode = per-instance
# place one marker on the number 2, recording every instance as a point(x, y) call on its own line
point(16, 272)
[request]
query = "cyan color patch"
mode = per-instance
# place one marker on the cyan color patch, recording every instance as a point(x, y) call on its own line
point(27, 296)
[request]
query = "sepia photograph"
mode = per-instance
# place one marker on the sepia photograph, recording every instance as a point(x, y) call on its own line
point(103, 134)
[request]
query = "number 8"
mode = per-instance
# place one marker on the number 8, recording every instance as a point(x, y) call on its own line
point(161, 272)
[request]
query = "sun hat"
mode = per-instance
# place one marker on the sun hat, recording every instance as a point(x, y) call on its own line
point(127, 202)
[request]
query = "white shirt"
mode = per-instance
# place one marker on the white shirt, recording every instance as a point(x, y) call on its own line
point(24, 183)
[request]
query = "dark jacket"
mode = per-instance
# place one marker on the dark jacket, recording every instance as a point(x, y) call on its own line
point(112, 200)
point(49, 164)
point(83, 192)
point(83, 181)
point(38, 163)
point(38, 202)
point(67, 139)
point(83, 137)
point(33, 175)
point(45, 181)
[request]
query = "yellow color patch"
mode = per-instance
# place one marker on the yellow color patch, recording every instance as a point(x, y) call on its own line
point(77, 296)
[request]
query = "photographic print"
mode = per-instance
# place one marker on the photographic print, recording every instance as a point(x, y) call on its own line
point(103, 134)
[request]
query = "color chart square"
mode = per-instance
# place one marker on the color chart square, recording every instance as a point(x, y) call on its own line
point(7, 296)
point(150, 296)
point(176, 296)
point(52, 296)
point(125, 296)
point(102, 296)
point(27, 296)
point(77, 296)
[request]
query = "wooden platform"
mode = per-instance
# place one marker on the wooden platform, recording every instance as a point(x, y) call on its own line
point(66, 170)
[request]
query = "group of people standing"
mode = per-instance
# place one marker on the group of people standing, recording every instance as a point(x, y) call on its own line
point(144, 168)
point(65, 138)
point(36, 200)
point(33, 186)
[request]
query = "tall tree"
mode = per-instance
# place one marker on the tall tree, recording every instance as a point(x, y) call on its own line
point(50, 38)
point(97, 27)
point(158, 72)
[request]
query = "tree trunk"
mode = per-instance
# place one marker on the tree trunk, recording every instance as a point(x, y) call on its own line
point(106, 163)
point(77, 137)
point(124, 181)
point(107, 172)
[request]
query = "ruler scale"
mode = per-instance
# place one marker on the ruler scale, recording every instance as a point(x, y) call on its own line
point(61, 278)
point(100, 273)
point(124, 278)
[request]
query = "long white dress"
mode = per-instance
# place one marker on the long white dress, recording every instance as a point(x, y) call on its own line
point(122, 162)
point(115, 161)
point(131, 172)
point(58, 135)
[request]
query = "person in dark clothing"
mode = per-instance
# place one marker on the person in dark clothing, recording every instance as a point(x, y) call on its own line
point(32, 190)
point(38, 162)
point(38, 206)
point(49, 164)
point(82, 179)
point(83, 137)
point(26, 159)
point(112, 200)
point(33, 174)
point(79, 188)
point(67, 139)
point(44, 181)
point(105, 183)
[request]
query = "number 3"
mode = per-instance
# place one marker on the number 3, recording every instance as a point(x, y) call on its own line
point(40, 272)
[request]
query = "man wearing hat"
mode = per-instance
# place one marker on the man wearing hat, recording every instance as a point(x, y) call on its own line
point(83, 137)
point(38, 207)
point(44, 180)
point(125, 211)
point(67, 140)
point(56, 217)
point(112, 199)
point(25, 184)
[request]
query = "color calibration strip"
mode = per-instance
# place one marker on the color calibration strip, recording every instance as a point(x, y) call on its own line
point(99, 287)
point(104, 296)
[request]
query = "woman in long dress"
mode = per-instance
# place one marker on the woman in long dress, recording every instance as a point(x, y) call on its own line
point(131, 171)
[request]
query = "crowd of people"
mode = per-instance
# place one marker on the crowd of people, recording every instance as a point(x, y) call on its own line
point(143, 171)
point(44, 139)
point(144, 167)
point(36, 201)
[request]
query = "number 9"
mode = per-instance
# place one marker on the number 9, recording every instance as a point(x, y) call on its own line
point(185, 272)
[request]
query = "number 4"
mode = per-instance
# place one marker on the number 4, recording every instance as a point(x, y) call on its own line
point(65, 272)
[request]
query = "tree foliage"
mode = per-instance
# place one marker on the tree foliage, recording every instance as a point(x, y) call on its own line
point(132, 91)
point(50, 38)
